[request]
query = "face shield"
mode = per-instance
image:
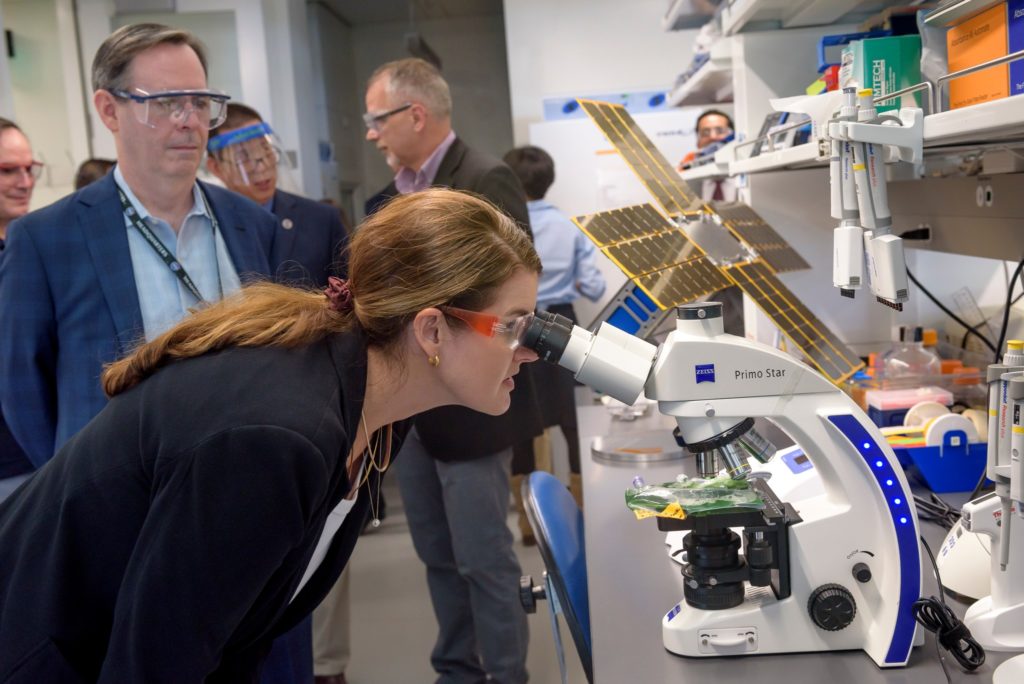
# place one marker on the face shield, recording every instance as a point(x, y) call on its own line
point(249, 161)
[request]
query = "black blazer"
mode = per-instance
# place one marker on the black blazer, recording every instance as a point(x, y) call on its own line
point(166, 539)
point(455, 433)
point(311, 241)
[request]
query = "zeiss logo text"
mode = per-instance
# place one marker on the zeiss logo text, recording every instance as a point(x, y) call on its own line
point(705, 372)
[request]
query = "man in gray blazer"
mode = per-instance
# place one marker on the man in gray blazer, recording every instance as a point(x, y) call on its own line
point(454, 469)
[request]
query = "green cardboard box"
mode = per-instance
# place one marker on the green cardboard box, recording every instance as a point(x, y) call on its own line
point(885, 65)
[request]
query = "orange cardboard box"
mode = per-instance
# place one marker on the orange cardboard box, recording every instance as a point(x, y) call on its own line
point(973, 42)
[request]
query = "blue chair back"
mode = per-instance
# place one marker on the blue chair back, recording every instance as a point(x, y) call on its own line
point(558, 527)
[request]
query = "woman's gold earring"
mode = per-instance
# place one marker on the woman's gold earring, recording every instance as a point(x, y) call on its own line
point(434, 360)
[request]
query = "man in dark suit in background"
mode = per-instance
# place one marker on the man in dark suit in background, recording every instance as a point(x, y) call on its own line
point(125, 258)
point(310, 244)
point(454, 469)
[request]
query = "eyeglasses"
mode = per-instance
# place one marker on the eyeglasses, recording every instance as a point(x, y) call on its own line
point(9, 172)
point(489, 325)
point(374, 121)
point(151, 109)
point(714, 130)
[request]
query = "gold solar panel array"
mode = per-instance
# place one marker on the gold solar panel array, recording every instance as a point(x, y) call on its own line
point(745, 224)
point(674, 270)
point(654, 254)
point(643, 157)
point(822, 347)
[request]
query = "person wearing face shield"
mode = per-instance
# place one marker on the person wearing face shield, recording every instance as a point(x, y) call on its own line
point(245, 154)
point(85, 279)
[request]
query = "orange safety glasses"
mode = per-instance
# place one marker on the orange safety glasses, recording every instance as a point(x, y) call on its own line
point(489, 325)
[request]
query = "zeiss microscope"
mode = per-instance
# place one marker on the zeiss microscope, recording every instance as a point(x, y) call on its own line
point(841, 569)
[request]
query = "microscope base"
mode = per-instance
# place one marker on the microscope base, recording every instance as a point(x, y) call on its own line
point(1010, 672)
point(996, 629)
point(761, 625)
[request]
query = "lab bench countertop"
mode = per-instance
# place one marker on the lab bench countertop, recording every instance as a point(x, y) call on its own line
point(632, 583)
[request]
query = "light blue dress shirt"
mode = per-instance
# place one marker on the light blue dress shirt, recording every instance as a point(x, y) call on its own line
point(568, 256)
point(163, 298)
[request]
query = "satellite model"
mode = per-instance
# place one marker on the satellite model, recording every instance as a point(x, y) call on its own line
point(693, 248)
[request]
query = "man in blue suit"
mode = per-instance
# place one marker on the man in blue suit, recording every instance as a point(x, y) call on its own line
point(125, 258)
point(311, 240)
point(18, 173)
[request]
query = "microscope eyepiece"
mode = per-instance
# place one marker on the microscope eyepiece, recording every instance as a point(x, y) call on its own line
point(547, 334)
point(611, 360)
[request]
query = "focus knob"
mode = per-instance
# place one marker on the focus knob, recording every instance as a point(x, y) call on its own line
point(832, 607)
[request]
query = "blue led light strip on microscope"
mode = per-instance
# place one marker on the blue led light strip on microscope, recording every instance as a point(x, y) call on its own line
point(906, 533)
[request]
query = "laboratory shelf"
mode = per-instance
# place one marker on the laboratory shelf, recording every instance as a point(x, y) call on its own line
point(744, 14)
point(983, 123)
point(712, 83)
point(700, 173)
point(798, 157)
point(681, 14)
point(956, 10)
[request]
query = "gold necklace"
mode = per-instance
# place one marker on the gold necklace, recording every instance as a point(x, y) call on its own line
point(381, 467)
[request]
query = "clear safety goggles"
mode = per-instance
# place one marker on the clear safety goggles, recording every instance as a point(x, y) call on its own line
point(511, 333)
point(10, 172)
point(254, 152)
point(714, 131)
point(153, 109)
point(374, 121)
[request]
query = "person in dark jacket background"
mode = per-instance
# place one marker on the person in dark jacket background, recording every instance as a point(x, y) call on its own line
point(213, 502)
point(455, 471)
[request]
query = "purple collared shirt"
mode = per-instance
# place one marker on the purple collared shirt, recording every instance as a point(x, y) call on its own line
point(407, 180)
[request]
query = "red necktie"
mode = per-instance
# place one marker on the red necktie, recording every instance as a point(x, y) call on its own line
point(718, 194)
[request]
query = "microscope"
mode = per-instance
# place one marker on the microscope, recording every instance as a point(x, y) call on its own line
point(839, 570)
point(997, 621)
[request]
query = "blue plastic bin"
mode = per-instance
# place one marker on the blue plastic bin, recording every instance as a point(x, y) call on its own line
point(953, 467)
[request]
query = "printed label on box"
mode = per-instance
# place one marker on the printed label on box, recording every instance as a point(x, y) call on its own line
point(974, 42)
point(1015, 25)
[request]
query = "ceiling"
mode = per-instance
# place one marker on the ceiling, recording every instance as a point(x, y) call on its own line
point(359, 12)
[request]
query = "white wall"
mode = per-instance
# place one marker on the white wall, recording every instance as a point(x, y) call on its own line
point(338, 105)
point(216, 30)
point(6, 94)
point(291, 92)
point(44, 91)
point(472, 51)
point(568, 47)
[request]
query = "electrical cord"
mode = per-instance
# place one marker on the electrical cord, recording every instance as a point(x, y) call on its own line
point(967, 333)
point(980, 486)
point(945, 310)
point(935, 509)
point(938, 618)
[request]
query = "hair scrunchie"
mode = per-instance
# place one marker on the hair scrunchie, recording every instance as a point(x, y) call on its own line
point(339, 296)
